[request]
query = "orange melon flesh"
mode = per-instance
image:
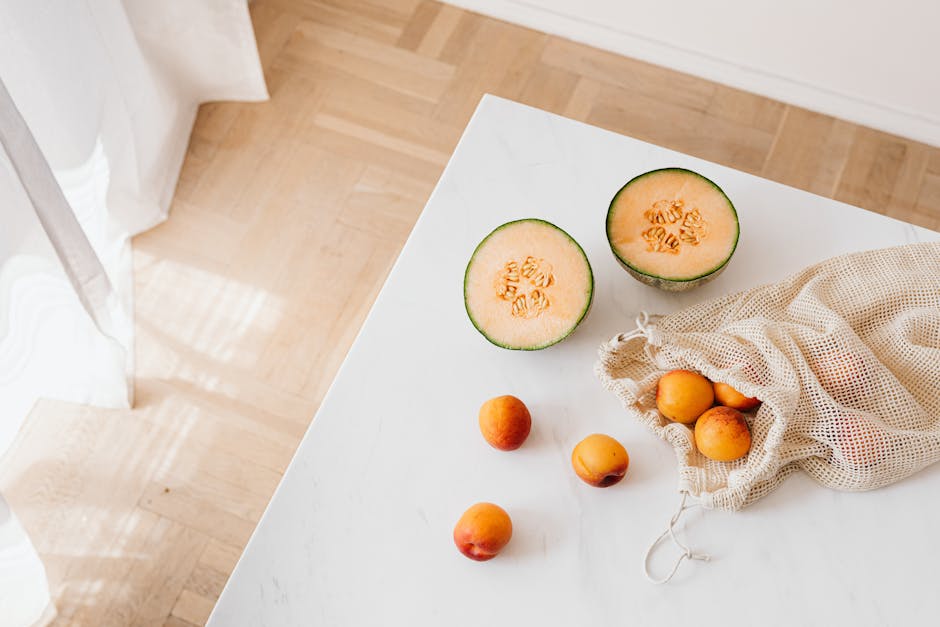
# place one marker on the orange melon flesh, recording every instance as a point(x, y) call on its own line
point(672, 228)
point(528, 285)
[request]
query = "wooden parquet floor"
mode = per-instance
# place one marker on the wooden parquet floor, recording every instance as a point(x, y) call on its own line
point(286, 220)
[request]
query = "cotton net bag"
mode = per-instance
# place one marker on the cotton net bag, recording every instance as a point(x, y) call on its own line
point(845, 356)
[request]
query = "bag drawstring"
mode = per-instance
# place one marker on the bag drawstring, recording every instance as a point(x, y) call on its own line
point(642, 321)
point(686, 551)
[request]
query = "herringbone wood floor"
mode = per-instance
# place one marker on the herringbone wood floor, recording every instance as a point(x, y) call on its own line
point(287, 218)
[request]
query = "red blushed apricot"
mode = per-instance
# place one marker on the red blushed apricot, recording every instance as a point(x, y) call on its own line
point(722, 434)
point(505, 422)
point(483, 531)
point(600, 460)
point(730, 397)
point(683, 396)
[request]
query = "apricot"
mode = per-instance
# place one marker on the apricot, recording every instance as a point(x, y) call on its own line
point(505, 422)
point(483, 531)
point(600, 460)
point(842, 374)
point(858, 442)
point(722, 434)
point(683, 396)
point(730, 397)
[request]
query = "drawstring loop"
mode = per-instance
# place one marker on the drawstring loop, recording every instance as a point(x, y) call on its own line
point(642, 325)
point(687, 553)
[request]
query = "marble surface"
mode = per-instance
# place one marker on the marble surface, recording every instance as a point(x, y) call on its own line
point(359, 530)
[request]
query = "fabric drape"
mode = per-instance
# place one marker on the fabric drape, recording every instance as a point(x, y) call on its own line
point(96, 106)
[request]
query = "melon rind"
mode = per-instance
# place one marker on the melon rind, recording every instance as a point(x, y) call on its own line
point(669, 284)
point(574, 325)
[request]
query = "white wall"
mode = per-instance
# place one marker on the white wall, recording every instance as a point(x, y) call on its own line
point(875, 62)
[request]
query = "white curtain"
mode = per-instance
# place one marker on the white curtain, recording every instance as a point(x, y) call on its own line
point(97, 100)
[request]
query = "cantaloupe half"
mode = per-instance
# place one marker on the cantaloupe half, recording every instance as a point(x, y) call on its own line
point(672, 228)
point(528, 285)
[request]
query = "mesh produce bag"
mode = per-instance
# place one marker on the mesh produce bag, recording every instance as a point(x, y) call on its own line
point(844, 355)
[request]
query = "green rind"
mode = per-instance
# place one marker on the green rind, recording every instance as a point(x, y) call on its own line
point(574, 326)
point(670, 285)
point(665, 283)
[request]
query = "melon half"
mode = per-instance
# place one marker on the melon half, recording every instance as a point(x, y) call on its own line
point(672, 228)
point(528, 285)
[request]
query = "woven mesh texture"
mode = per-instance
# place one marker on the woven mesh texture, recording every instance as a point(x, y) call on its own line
point(844, 355)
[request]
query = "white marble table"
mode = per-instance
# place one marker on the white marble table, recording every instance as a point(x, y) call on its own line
point(359, 531)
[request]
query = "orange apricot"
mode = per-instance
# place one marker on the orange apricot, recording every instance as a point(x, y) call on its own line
point(722, 434)
point(683, 396)
point(730, 397)
point(483, 531)
point(505, 422)
point(600, 460)
point(842, 374)
point(858, 442)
